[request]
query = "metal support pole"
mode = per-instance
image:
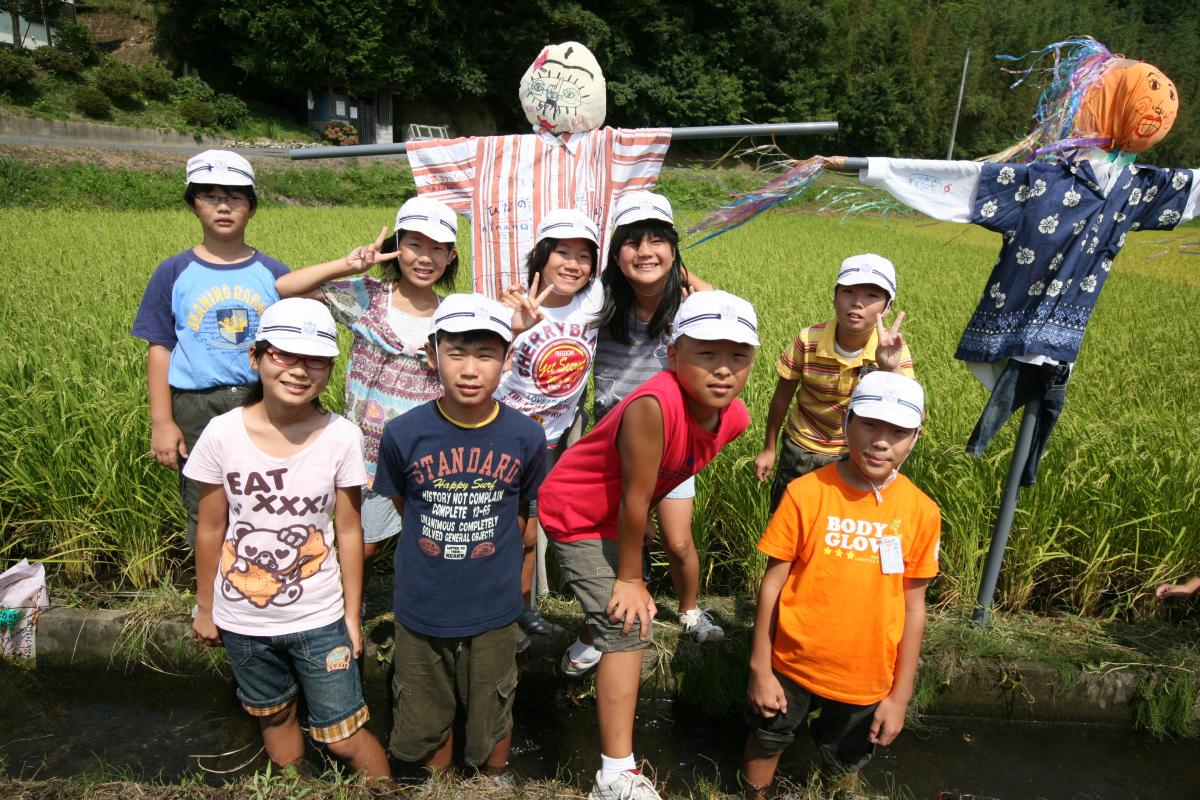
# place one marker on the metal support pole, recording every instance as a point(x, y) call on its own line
point(962, 85)
point(678, 134)
point(1004, 517)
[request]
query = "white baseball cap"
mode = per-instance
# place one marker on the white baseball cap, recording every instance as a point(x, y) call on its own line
point(891, 397)
point(642, 205)
point(430, 217)
point(567, 223)
point(868, 268)
point(299, 325)
point(459, 313)
point(716, 315)
point(219, 168)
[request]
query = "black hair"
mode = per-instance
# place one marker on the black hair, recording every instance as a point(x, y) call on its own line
point(255, 394)
point(539, 256)
point(193, 189)
point(465, 338)
point(618, 292)
point(390, 270)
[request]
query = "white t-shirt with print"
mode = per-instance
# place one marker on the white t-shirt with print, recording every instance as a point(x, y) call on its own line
point(551, 362)
point(279, 570)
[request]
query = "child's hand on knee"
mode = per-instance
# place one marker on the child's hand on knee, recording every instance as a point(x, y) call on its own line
point(765, 694)
point(631, 601)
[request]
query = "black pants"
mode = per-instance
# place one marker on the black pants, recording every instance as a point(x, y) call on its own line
point(1017, 385)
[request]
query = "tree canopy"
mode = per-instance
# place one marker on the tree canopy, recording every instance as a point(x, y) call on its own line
point(887, 70)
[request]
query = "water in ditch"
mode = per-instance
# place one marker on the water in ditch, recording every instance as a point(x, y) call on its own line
point(151, 726)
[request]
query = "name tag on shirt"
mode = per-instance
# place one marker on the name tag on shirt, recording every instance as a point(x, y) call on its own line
point(891, 556)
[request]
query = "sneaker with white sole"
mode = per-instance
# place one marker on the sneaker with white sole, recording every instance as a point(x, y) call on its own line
point(523, 641)
point(574, 668)
point(700, 626)
point(629, 785)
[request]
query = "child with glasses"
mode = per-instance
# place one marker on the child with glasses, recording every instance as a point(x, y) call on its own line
point(199, 313)
point(277, 583)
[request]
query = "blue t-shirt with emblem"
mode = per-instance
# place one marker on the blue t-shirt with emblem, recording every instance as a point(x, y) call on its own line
point(1061, 234)
point(207, 314)
point(458, 561)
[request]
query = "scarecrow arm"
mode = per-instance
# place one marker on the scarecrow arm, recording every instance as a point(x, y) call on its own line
point(943, 190)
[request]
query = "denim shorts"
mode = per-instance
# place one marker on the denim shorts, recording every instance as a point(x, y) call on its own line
point(379, 518)
point(270, 670)
point(684, 491)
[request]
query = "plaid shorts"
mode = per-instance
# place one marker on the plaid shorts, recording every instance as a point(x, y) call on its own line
point(271, 670)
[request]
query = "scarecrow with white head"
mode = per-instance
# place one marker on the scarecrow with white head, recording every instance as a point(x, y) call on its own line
point(506, 183)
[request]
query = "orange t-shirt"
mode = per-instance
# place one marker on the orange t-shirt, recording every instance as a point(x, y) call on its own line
point(840, 618)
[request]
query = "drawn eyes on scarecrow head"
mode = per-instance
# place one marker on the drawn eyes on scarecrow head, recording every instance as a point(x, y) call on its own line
point(557, 95)
point(1157, 106)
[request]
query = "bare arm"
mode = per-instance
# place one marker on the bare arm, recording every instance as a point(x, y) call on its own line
point(785, 390)
point(210, 533)
point(1170, 590)
point(764, 693)
point(307, 282)
point(348, 524)
point(640, 445)
point(166, 440)
point(889, 716)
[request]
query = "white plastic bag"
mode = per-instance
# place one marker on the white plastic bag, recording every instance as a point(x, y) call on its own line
point(22, 597)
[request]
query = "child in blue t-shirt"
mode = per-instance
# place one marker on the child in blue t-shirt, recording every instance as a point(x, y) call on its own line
point(199, 314)
point(461, 471)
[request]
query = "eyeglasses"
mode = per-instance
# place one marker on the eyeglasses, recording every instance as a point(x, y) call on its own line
point(291, 359)
point(231, 200)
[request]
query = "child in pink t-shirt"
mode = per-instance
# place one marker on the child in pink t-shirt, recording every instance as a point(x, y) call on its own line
point(658, 436)
point(275, 584)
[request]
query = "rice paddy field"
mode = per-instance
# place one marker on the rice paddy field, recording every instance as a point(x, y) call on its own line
point(1115, 512)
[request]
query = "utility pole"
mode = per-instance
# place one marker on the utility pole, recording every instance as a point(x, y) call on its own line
point(961, 85)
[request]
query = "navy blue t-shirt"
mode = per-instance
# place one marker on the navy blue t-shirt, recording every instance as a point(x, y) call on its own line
point(458, 561)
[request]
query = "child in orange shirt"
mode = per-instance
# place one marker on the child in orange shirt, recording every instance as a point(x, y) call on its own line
point(841, 609)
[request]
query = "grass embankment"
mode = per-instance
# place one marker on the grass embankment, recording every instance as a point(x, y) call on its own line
point(1113, 514)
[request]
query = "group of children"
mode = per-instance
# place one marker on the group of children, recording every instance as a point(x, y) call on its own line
point(456, 433)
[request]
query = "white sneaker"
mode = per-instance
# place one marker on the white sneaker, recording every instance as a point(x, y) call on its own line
point(700, 626)
point(627, 786)
point(573, 668)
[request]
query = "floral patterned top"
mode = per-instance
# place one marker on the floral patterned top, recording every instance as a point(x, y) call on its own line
point(1061, 234)
point(387, 375)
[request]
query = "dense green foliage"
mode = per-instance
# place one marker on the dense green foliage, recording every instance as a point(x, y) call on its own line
point(57, 61)
point(92, 102)
point(887, 71)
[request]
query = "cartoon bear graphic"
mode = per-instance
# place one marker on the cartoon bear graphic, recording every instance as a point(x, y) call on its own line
point(266, 567)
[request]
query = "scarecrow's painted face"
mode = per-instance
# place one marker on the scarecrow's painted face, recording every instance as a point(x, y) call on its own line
point(1134, 104)
point(563, 91)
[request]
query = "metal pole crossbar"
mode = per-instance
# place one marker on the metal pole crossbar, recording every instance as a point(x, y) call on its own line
point(677, 134)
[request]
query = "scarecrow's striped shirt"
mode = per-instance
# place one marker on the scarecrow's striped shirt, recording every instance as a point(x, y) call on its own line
point(506, 183)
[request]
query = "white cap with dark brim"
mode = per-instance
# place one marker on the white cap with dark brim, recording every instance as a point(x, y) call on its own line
point(460, 313)
point(891, 397)
point(430, 217)
point(642, 205)
point(716, 315)
point(567, 223)
point(219, 168)
point(868, 268)
point(299, 325)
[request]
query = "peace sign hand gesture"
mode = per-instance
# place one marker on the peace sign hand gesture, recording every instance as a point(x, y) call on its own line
point(890, 345)
point(526, 306)
point(363, 257)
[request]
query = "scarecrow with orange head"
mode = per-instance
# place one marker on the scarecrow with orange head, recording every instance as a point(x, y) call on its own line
point(1064, 199)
